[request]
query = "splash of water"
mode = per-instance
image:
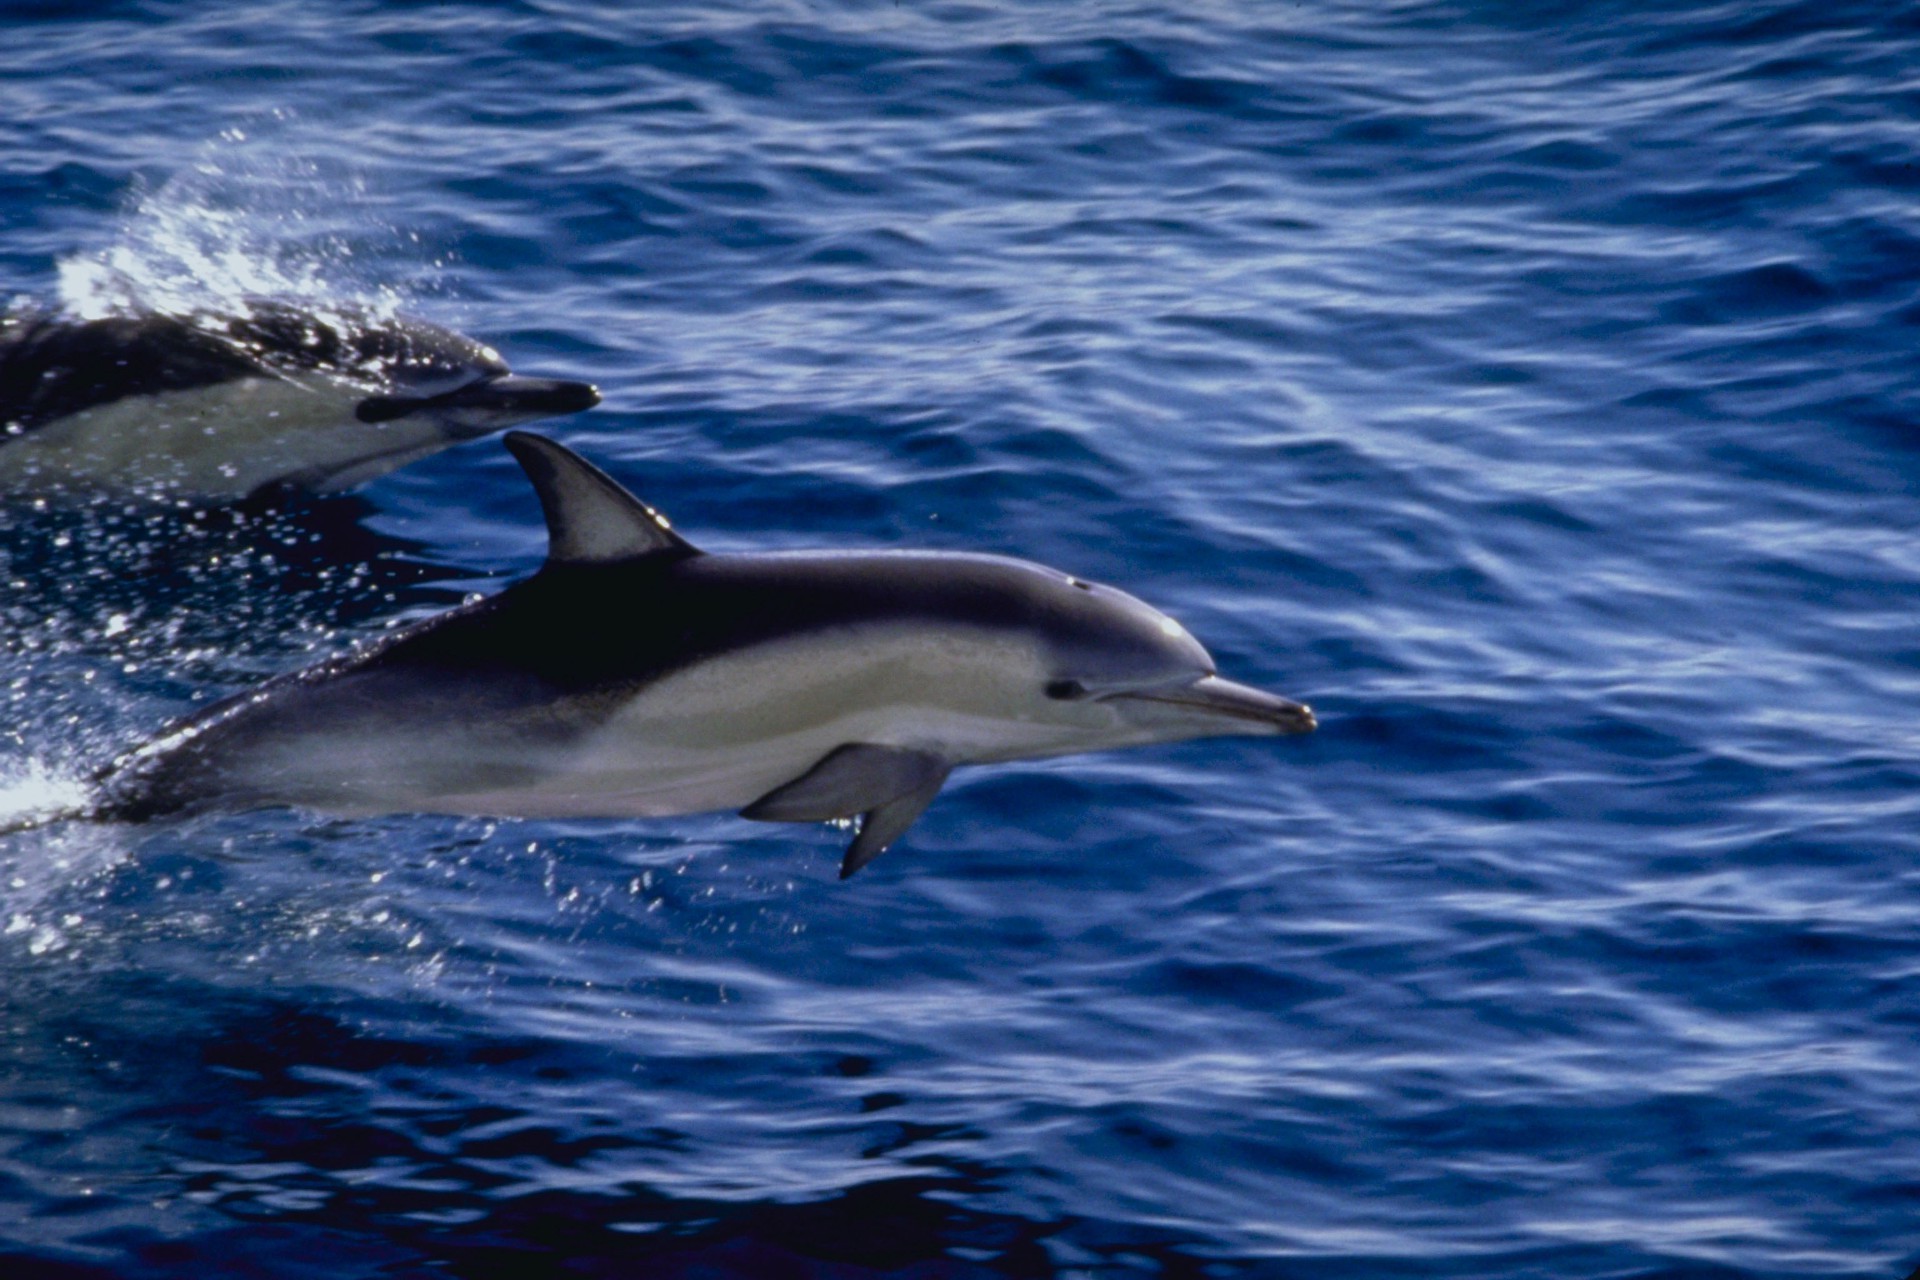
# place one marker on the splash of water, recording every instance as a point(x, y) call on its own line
point(257, 215)
point(39, 863)
point(33, 793)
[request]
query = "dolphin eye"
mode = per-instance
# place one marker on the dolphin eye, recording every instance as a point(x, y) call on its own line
point(1066, 690)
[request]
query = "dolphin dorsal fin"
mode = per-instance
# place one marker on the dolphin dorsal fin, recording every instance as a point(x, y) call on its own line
point(590, 518)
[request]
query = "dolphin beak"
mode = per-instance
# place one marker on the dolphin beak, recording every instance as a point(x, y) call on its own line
point(489, 404)
point(1211, 700)
point(523, 399)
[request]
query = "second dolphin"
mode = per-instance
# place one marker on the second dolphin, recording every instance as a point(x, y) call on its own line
point(216, 407)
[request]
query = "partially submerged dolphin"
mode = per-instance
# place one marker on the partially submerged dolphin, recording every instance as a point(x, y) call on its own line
point(635, 675)
point(219, 406)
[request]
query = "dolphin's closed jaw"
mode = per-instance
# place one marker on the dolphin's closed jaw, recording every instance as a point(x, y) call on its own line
point(489, 404)
point(1233, 708)
point(527, 397)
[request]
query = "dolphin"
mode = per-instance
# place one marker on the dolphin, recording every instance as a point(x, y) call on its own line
point(217, 407)
point(634, 675)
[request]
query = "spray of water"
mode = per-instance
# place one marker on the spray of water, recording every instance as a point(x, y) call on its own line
point(38, 863)
point(256, 215)
point(34, 794)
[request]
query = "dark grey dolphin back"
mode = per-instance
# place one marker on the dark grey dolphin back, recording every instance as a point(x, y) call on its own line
point(398, 352)
point(52, 367)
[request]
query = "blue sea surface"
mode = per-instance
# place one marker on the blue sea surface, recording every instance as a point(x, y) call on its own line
point(1531, 388)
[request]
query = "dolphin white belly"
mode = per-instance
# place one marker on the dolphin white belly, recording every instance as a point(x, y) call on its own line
point(219, 442)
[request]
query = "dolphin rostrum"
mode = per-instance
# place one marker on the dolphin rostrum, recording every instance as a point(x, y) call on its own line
point(219, 406)
point(636, 675)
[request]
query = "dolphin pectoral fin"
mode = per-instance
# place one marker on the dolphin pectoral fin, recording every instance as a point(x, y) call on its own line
point(888, 822)
point(849, 780)
point(891, 786)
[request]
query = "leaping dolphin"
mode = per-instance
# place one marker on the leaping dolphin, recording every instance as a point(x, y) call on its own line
point(635, 675)
point(217, 407)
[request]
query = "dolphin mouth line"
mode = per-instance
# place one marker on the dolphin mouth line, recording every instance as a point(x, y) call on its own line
point(1214, 696)
point(509, 392)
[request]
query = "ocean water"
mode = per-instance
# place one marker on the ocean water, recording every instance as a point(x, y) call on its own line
point(1530, 388)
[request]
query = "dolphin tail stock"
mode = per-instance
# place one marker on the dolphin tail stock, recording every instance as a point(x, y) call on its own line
point(35, 794)
point(109, 800)
point(34, 820)
point(102, 799)
point(889, 787)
